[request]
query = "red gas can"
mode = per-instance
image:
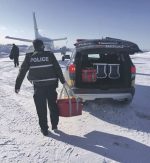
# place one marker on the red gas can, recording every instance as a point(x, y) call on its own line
point(89, 75)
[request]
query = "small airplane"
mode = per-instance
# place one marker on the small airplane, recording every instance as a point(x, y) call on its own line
point(48, 42)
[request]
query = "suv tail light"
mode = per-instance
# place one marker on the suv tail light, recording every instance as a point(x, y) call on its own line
point(72, 70)
point(133, 72)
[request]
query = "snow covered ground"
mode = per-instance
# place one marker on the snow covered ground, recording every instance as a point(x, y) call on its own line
point(106, 132)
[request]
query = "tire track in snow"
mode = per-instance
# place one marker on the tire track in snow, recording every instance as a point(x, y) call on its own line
point(9, 145)
point(20, 128)
point(20, 125)
point(18, 119)
point(16, 124)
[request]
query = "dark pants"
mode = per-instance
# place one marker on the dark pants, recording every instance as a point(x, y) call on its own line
point(16, 62)
point(42, 96)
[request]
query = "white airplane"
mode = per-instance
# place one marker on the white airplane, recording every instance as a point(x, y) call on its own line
point(48, 42)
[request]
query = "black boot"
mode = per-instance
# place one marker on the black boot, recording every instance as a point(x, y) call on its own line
point(44, 132)
point(54, 127)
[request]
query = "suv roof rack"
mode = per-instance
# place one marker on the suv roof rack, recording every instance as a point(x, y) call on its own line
point(108, 43)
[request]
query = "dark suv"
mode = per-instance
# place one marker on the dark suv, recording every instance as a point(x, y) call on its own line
point(102, 68)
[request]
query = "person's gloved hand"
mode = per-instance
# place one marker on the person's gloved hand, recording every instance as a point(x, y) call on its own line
point(17, 90)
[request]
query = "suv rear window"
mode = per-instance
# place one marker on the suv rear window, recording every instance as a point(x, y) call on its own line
point(92, 56)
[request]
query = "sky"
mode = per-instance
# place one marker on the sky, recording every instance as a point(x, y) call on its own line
point(124, 19)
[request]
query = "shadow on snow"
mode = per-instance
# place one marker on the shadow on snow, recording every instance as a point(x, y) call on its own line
point(115, 147)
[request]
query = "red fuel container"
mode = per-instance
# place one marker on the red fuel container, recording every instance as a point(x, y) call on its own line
point(89, 75)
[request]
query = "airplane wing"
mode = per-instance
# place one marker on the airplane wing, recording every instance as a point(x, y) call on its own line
point(27, 40)
point(19, 39)
point(58, 39)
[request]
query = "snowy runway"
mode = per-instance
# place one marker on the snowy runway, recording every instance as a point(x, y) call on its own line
point(106, 132)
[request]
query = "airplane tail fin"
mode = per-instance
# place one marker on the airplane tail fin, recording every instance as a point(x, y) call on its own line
point(37, 35)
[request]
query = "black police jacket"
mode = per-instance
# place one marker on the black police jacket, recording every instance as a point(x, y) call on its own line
point(43, 69)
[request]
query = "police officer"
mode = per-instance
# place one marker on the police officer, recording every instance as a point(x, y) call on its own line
point(44, 72)
point(15, 54)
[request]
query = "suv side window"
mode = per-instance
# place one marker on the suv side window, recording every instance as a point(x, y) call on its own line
point(72, 58)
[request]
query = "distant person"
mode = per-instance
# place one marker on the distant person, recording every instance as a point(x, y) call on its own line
point(14, 54)
point(44, 72)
